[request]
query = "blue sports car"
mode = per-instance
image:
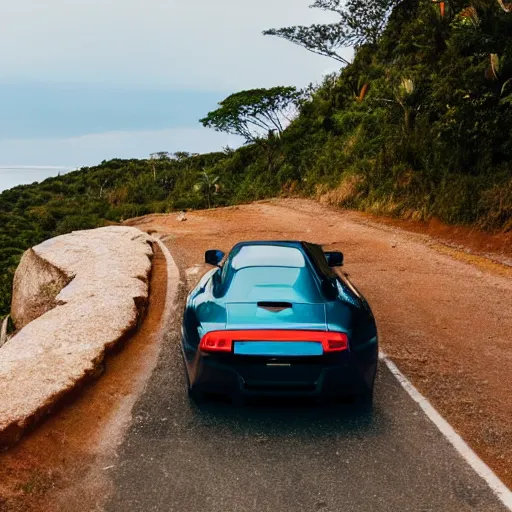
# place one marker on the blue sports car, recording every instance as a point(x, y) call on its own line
point(276, 319)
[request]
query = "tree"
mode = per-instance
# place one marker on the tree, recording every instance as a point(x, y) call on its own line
point(361, 22)
point(407, 97)
point(181, 156)
point(321, 39)
point(159, 155)
point(253, 112)
point(208, 184)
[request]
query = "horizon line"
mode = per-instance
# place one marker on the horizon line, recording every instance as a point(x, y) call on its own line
point(38, 168)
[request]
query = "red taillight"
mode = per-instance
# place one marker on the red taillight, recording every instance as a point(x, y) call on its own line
point(216, 342)
point(222, 341)
point(335, 342)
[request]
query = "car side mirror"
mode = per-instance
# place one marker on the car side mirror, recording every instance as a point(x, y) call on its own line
point(213, 257)
point(334, 258)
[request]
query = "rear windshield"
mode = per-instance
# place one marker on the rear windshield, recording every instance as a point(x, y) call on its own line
point(267, 256)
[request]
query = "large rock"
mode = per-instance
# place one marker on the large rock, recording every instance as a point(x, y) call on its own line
point(90, 289)
point(36, 284)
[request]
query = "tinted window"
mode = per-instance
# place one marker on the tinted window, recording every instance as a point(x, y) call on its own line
point(267, 256)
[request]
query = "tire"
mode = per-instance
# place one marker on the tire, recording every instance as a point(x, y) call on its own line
point(324, 400)
point(238, 401)
point(195, 395)
point(364, 399)
point(198, 397)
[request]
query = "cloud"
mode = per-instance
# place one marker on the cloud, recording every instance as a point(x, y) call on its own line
point(91, 149)
point(201, 44)
point(86, 80)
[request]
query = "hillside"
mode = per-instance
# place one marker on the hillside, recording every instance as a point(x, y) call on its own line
point(91, 197)
point(419, 125)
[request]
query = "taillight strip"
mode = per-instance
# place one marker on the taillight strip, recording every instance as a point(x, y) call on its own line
point(222, 341)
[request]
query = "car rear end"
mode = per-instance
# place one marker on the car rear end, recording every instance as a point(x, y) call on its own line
point(271, 330)
point(279, 362)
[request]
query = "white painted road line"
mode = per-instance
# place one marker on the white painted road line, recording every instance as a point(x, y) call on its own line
point(173, 279)
point(481, 468)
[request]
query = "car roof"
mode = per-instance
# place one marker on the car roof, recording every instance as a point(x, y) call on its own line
point(260, 260)
point(277, 243)
point(270, 270)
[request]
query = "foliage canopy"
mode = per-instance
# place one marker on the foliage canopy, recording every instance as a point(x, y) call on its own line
point(254, 113)
point(361, 22)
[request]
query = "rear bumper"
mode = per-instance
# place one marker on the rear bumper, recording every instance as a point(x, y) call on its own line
point(344, 377)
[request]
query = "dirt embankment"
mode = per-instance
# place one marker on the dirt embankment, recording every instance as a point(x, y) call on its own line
point(444, 314)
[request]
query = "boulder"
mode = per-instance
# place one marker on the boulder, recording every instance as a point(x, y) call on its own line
point(36, 284)
point(75, 296)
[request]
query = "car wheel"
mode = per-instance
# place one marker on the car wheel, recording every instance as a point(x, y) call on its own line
point(193, 393)
point(364, 399)
point(196, 396)
point(238, 401)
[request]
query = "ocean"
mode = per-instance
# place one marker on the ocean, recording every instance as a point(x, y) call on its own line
point(24, 175)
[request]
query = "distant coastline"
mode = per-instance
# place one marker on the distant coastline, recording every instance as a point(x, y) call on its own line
point(13, 175)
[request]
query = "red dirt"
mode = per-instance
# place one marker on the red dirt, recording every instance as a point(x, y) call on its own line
point(495, 246)
point(71, 449)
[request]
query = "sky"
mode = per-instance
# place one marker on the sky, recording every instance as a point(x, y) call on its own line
point(83, 81)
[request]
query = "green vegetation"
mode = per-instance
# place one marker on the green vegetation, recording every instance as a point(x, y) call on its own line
point(360, 22)
point(255, 113)
point(418, 125)
point(92, 197)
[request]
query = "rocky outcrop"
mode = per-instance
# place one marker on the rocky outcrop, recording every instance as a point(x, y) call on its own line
point(90, 289)
point(36, 284)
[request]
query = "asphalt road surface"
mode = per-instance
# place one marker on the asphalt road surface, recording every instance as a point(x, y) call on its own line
point(285, 457)
point(281, 456)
